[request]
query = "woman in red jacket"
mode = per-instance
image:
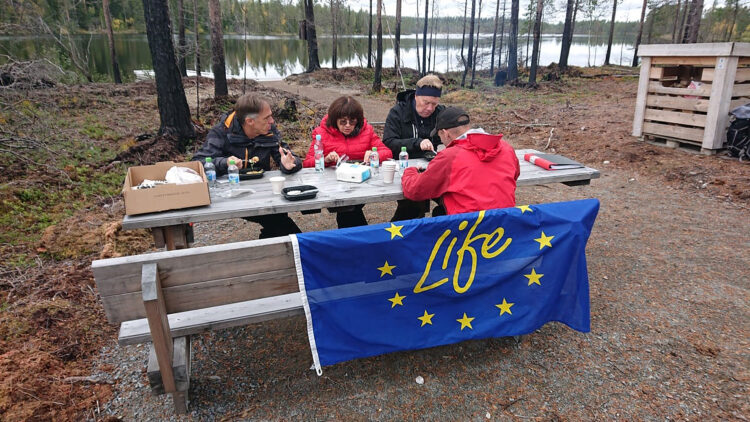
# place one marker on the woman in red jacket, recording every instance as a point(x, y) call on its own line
point(344, 131)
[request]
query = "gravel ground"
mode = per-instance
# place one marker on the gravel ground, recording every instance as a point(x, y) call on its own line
point(669, 275)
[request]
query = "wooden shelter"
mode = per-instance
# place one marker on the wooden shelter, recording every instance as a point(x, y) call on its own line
point(686, 91)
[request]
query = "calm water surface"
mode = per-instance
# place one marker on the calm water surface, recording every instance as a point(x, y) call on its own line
point(270, 57)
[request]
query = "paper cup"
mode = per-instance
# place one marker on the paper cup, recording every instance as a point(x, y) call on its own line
point(389, 170)
point(277, 183)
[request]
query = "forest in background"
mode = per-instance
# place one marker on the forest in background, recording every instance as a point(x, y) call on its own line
point(277, 17)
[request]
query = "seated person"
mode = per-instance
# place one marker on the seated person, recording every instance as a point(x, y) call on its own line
point(249, 131)
point(409, 124)
point(476, 171)
point(344, 131)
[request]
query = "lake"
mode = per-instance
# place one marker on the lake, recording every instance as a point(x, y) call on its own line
point(275, 57)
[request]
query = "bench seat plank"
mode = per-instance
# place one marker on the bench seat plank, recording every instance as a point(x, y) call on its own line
point(217, 317)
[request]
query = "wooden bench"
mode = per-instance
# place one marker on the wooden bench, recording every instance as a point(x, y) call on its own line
point(164, 297)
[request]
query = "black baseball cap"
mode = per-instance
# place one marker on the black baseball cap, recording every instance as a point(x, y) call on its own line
point(450, 117)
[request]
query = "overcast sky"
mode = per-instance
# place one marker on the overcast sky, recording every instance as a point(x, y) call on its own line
point(627, 10)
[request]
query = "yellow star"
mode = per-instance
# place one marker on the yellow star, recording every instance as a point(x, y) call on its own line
point(426, 318)
point(544, 241)
point(524, 208)
point(465, 322)
point(505, 307)
point(397, 300)
point(386, 269)
point(394, 230)
point(533, 278)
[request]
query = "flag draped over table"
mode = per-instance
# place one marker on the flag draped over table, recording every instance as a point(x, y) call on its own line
point(421, 283)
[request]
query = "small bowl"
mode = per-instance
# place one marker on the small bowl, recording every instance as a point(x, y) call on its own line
point(297, 193)
point(429, 155)
point(248, 174)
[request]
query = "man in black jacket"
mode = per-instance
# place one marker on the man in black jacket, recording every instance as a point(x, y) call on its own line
point(409, 124)
point(250, 132)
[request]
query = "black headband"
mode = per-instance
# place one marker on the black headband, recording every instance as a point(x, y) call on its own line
point(429, 91)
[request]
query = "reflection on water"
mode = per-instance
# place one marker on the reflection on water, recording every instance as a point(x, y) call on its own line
point(267, 58)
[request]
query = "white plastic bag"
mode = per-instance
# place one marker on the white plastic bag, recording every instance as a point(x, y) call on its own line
point(182, 176)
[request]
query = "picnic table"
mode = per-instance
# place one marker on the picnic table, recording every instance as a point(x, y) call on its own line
point(170, 228)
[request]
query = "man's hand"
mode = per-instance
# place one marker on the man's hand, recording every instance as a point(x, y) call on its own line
point(426, 145)
point(287, 159)
point(332, 157)
point(237, 162)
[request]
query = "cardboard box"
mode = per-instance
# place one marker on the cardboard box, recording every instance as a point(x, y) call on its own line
point(163, 197)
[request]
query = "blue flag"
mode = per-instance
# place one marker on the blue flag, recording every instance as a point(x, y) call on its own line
point(422, 283)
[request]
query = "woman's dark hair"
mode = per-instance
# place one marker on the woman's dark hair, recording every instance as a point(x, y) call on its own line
point(346, 107)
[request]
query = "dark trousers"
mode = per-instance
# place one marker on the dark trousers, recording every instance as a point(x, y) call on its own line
point(275, 225)
point(409, 210)
point(351, 217)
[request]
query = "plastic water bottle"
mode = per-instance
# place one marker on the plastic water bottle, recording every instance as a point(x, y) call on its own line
point(374, 161)
point(403, 160)
point(210, 170)
point(319, 159)
point(233, 173)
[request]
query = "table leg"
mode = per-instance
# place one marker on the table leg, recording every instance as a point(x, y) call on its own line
point(173, 237)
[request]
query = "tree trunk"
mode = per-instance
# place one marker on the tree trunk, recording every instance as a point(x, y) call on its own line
point(611, 33)
point(111, 42)
point(333, 32)
point(181, 42)
point(376, 84)
point(313, 63)
point(528, 35)
point(476, 48)
point(429, 49)
point(573, 22)
point(197, 61)
point(683, 21)
point(397, 45)
point(470, 56)
point(567, 37)
point(694, 22)
point(369, 39)
point(513, 41)
point(502, 35)
point(537, 37)
point(734, 19)
point(463, 34)
point(173, 108)
point(640, 33)
point(676, 19)
point(217, 49)
point(424, 37)
point(494, 37)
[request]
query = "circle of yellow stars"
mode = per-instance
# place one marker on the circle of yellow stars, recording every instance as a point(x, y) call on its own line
point(465, 321)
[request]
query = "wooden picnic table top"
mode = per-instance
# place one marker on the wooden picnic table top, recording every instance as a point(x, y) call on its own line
point(332, 193)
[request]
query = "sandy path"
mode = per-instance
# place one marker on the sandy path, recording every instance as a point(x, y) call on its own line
point(375, 111)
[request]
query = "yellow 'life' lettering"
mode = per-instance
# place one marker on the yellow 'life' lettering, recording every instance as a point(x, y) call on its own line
point(489, 241)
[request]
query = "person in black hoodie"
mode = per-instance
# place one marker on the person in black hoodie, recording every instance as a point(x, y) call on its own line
point(250, 132)
point(409, 124)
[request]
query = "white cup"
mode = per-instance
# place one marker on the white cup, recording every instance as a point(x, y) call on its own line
point(277, 183)
point(389, 170)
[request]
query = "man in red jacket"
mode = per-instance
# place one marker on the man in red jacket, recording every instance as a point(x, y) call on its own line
point(476, 171)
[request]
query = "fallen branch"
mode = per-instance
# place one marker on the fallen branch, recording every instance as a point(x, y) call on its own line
point(519, 116)
point(549, 140)
point(88, 380)
point(525, 124)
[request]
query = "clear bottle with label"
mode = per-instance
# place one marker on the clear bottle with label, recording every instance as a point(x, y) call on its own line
point(233, 174)
point(319, 159)
point(374, 161)
point(403, 160)
point(210, 170)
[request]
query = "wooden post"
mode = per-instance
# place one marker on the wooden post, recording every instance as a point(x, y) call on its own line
point(156, 314)
point(640, 102)
point(719, 103)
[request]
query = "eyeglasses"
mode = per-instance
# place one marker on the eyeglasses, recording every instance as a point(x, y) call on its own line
point(347, 122)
